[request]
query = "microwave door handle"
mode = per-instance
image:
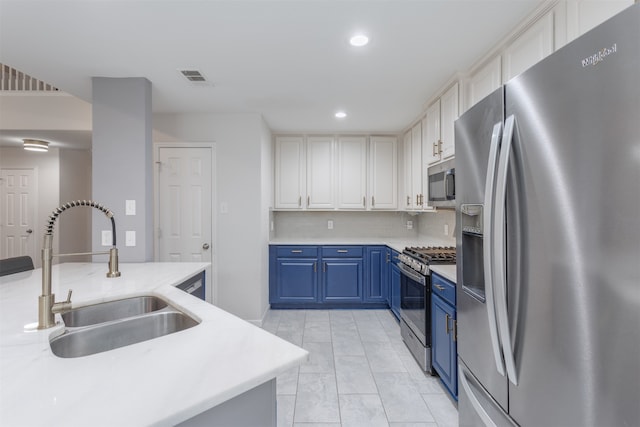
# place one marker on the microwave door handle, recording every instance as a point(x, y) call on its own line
point(500, 254)
point(487, 247)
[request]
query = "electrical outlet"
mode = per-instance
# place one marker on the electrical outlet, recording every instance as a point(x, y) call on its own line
point(330, 224)
point(107, 238)
point(446, 229)
point(409, 225)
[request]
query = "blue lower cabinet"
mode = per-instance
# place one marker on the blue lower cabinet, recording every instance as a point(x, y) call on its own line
point(293, 275)
point(340, 276)
point(444, 346)
point(377, 280)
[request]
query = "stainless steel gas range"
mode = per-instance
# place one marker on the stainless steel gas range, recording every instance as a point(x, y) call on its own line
point(415, 298)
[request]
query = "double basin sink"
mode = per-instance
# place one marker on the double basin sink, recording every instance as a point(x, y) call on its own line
point(106, 326)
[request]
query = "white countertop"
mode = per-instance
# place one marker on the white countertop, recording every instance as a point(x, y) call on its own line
point(162, 381)
point(447, 271)
point(395, 244)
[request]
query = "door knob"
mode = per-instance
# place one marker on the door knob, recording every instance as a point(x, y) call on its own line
point(29, 231)
point(205, 246)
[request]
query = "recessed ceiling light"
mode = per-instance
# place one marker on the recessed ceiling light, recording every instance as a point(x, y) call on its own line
point(341, 115)
point(359, 40)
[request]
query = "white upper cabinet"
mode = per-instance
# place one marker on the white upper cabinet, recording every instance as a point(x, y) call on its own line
point(416, 166)
point(290, 166)
point(483, 81)
point(529, 48)
point(383, 177)
point(320, 172)
point(449, 112)
point(439, 135)
point(352, 172)
point(431, 141)
point(406, 200)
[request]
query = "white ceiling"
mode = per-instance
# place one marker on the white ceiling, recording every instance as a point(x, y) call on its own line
point(287, 60)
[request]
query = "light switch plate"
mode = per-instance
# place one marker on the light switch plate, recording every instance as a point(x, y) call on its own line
point(409, 225)
point(130, 207)
point(130, 238)
point(106, 238)
point(330, 224)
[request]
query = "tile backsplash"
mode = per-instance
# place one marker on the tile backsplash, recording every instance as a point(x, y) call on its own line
point(364, 225)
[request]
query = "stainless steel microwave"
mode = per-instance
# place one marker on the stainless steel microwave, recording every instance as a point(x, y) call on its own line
point(442, 184)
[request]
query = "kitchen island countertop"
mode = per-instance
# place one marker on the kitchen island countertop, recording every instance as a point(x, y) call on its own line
point(163, 381)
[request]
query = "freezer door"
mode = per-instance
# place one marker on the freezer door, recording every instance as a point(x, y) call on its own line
point(473, 137)
point(573, 232)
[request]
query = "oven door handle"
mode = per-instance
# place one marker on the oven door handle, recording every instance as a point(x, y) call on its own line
point(412, 274)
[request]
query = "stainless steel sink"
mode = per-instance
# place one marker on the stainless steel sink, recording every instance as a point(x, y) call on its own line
point(112, 310)
point(84, 341)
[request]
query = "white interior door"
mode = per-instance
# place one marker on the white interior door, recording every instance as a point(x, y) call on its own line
point(18, 189)
point(185, 204)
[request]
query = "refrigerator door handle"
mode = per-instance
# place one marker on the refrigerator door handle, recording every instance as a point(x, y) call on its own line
point(488, 245)
point(499, 250)
point(462, 379)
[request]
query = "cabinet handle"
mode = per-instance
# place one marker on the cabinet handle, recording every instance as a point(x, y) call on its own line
point(308, 200)
point(324, 267)
point(364, 201)
point(417, 200)
point(438, 287)
point(388, 257)
point(408, 200)
point(435, 149)
point(439, 146)
point(299, 201)
point(455, 330)
point(315, 267)
point(373, 201)
point(446, 326)
point(343, 251)
point(296, 251)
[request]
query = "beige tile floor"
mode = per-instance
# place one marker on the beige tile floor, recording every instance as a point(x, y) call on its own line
point(359, 373)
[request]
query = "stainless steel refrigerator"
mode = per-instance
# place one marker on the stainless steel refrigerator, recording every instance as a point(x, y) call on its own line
point(548, 239)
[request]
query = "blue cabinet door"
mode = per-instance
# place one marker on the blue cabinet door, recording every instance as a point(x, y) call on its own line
point(443, 343)
point(377, 280)
point(297, 280)
point(342, 280)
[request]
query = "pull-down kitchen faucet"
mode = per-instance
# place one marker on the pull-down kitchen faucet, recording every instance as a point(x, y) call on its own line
point(47, 306)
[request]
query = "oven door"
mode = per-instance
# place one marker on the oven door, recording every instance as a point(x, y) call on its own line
point(414, 300)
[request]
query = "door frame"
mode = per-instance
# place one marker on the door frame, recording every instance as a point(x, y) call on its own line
point(211, 273)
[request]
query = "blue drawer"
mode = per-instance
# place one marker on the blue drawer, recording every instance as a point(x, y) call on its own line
point(443, 288)
point(297, 251)
point(342, 251)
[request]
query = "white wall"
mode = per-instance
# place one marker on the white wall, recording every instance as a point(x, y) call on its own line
point(242, 233)
point(75, 184)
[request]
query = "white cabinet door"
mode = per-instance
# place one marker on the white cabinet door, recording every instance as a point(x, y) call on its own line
point(483, 81)
point(431, 140)
point(383, 172)
point(448, 115)
point(408, 188)
point(290, 164)
point(352, 172)
point(529, 48)
point(416, 166)
point(320, 172)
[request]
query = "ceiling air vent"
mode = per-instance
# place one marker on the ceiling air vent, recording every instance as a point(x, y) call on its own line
point(195, 77)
